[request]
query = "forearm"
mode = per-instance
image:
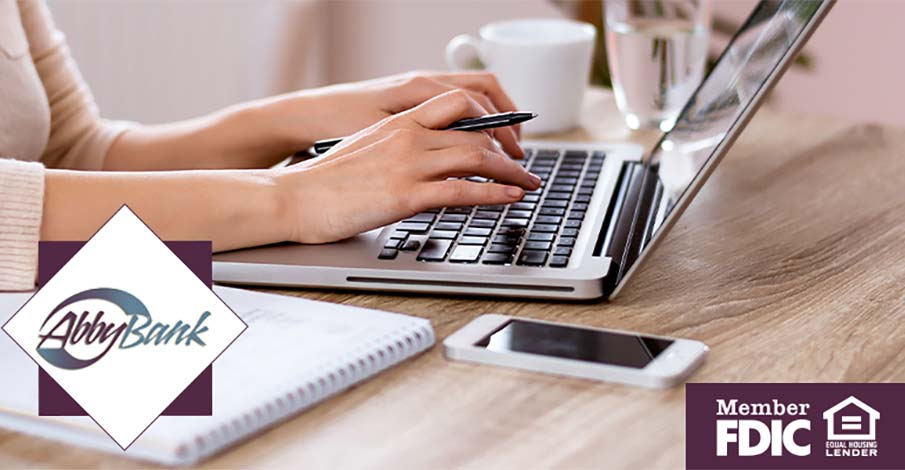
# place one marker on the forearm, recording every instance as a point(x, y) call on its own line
point(233, 209)
point(251, 135)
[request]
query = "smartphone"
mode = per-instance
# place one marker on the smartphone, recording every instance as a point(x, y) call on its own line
point(577, 351)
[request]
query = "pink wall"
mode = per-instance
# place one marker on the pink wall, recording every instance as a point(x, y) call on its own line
point(153, 60)
point(859, 74)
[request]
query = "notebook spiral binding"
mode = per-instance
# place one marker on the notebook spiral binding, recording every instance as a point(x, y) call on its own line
point(330, 379)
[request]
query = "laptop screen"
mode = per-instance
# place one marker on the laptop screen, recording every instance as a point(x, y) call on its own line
point(744, 67)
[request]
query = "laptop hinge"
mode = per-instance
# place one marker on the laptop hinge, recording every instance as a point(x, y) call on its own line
point(632, 215)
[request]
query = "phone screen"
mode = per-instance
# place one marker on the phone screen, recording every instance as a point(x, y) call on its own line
point(601, 347)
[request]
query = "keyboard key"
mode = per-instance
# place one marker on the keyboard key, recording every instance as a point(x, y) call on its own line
point(523, 206)
point(388, 253)
point(444, 234)
point(562, 187)
point(548, 219)
point(478, 232)
point(518, 214)
point(585, 198)
point(399, 234)
point(582, 154)
point(546, 153)
point(497, 258)
point(558, 195)
point(569, 232)
point(577, 215)
point(541, 236)
point(422, 217)
point(562, 251)
point(465, 254)
point(511, 231)
point(565, 241)
point(411, 245)
point(579, 207)
point(497, 208)
point(545, 228)
point(393, 243)
point(482, 223)
point(413, 227)
point(473, 241)
point(565, 181)
point(571, 166)
point(583, 191)
point(538, 246)
point(559, 261)
point(448, 226)
point(519, 222)
point(458, 210)
point(453, 218)
point(552, 211)
point(434, 250)
point(531, 198)
point(507, 239)
point(556, 203)
point(501, 248)
point(573, 223)
point(486, 215)
point(532, 258)
point(569, 174)
point(598, 155)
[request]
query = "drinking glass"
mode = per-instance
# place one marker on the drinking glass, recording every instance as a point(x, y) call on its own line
point(656, 51)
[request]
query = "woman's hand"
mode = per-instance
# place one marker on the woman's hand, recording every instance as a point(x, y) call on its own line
point(341, 110)
point(397, 168)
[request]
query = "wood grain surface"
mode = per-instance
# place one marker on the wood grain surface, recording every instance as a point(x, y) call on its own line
point(789, 265)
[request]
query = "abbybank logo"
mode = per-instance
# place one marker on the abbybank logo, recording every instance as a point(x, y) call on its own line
point(122, 330)
point(67, 331)
point(794, 425)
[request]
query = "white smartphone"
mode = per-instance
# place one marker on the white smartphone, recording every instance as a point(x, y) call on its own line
point(577, 351)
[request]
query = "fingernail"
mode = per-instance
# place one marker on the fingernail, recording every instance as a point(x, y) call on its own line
point(534, 178)
point(514, 192)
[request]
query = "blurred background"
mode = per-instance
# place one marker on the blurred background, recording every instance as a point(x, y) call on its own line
point(161, 60)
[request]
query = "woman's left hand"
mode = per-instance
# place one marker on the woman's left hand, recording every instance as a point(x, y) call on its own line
point(345, 109)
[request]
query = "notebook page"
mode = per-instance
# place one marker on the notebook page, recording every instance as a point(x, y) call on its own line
point(289, 343)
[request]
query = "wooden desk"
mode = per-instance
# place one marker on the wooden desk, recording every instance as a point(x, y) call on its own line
point(789, 264)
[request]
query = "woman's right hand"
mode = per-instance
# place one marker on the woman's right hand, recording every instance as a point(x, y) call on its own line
point(397, 168)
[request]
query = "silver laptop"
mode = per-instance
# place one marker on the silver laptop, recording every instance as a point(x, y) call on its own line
point(602, 209)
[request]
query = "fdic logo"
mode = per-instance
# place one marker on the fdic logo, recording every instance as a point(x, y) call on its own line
point(793, 425)
point(754, 436)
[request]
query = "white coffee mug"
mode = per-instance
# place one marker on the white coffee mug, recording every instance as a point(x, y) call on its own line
point(544, 65)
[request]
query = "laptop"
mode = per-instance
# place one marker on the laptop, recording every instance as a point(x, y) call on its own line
point(602, 209)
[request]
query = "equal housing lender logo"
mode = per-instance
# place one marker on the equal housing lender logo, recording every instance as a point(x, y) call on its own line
point(124, 331)
point(795, 426)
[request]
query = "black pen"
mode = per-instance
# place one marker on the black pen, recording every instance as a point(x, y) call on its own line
point(490, 121)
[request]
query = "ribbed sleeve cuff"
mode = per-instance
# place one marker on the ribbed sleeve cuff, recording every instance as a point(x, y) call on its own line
point(21, 208)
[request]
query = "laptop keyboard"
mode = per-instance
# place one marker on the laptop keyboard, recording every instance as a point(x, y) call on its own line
point(539, 231)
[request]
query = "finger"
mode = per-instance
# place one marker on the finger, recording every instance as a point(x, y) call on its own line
point(505, 135)
point(416, 90)
point(443, 110)
point(466, 193)
point(486, 83)
point(439, 140)
point(468, 160)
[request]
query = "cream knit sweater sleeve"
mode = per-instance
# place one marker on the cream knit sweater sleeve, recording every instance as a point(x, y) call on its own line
point(78, 137)
point(21, 200)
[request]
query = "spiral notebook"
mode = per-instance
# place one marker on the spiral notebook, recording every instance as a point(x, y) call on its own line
point(296, 353)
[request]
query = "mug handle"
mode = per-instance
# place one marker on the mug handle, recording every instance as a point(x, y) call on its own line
point(464, 53)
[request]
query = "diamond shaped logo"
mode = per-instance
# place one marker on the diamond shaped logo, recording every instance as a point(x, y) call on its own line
point(124, 327)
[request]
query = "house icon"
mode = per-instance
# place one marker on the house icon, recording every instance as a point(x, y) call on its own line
point(851, 420)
